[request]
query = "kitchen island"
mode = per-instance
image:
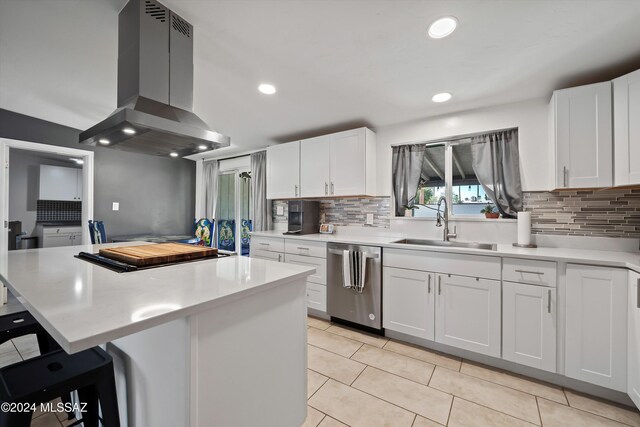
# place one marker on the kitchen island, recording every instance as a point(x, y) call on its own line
point(218, 342)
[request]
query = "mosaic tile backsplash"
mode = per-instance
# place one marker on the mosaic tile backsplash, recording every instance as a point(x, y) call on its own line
point(604, 213)
point(58, 211)
point(347, 211)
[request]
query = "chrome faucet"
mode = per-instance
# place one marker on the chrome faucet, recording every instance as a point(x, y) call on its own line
point(446, 235)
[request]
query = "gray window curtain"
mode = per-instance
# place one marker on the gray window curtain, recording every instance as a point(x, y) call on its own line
point(495, 162)
point(260, 206)
point(210, 176)
point(406, 170)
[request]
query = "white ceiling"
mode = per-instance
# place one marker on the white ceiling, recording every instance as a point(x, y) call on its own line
point(336, 64)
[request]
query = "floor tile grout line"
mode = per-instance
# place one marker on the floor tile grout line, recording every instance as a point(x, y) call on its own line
point(428, 351)
point(323, 383)
point(386, 340)
point(539, 413)
point(602, 401)
point(330, 416)
point(415, 417)
point(333, 352)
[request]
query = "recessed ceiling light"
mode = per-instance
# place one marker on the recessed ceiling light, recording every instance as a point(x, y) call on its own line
point(104, 141)
point(441, 97)
point(202, 147)
point(129, 131)
point(173, 154)
point(267, 89)
point(442, 27)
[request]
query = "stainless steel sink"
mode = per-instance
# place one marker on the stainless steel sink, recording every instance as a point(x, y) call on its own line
point(471, 245)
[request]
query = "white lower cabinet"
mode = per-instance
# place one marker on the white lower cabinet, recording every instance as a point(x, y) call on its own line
point(596, 325)
point(317, 296)
point(529, 325)
point(408, 299)
point(468, 313)
point(633, 365)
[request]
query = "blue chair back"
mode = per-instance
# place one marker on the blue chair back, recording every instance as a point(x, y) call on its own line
point(97, 232)
point(227, 234)
point(245, 238)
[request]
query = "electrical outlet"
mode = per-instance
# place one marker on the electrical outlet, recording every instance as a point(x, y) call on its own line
point(115, 206)
point(280, 210)
point(369, 219)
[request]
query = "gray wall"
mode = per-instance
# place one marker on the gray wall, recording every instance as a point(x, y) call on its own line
point(156, 194)
point(24, 185)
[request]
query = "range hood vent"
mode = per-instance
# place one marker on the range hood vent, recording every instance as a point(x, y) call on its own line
point(155, 88)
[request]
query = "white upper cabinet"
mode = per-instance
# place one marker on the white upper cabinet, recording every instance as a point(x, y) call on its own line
point(596, 325)
point(283, 171)
point(582, 137)
point(338, 164)
point(353, 163)
point(633, 365)
point(315, 161)
point(60, 183)
point(626, 130)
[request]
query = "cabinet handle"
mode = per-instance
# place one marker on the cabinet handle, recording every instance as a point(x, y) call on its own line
point(564, 175)
point(303, 248)
point(263, 244)
point(279, 257)
point(429, 285)
point(332, 188)
point(549, 301)
point(296, 190)
point(326, 189)
point(530, 272)
point(439, 285)
point(638, 295)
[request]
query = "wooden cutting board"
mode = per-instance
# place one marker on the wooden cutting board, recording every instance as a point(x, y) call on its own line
point(159, 253)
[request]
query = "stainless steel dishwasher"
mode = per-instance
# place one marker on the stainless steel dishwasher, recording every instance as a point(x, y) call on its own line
point(355, 305)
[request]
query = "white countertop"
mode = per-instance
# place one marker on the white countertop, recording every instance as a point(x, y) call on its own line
point(630, 260)
point(82, 305)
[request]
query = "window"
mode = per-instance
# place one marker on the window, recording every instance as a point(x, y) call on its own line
point(450, 169)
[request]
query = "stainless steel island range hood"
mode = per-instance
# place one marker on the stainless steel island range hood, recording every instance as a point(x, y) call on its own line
point(155, 88)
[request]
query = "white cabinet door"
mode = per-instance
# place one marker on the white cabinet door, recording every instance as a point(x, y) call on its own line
point(56, 240)
point(78, 184)
point(317, 296)
point(262, 254)
point(626, 126)
point(584, 136)
point(348, 163)
point(409, 302)
point(468, 313)
point(633, 374)
point(315, 161)
point(596, 325)
point(58, 183)
point(283, 171)
point(529, 325)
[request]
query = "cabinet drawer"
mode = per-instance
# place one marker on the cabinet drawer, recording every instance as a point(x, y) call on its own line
point(317, 296)
point(320, 264)
point(273, 244)
point(259, 253)
point(534, 272)
point(61, 230)
point(487, 267)
point(305, 248)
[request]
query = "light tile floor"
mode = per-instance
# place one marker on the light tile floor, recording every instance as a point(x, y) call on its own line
point(356, 379)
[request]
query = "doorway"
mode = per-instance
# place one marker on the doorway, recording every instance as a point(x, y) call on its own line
point(233, 210)
point(75, 167)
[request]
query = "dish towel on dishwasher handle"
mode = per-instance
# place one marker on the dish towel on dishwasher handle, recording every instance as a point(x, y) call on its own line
point(362, 276)
point(347, 281)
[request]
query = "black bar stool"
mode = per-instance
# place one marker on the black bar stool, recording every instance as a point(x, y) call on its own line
point(43, 378)
point(23, 323)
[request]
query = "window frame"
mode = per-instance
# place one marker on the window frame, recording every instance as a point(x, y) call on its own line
point(448, 143)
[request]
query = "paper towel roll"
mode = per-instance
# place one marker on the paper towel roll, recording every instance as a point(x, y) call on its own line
point(524, 228)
